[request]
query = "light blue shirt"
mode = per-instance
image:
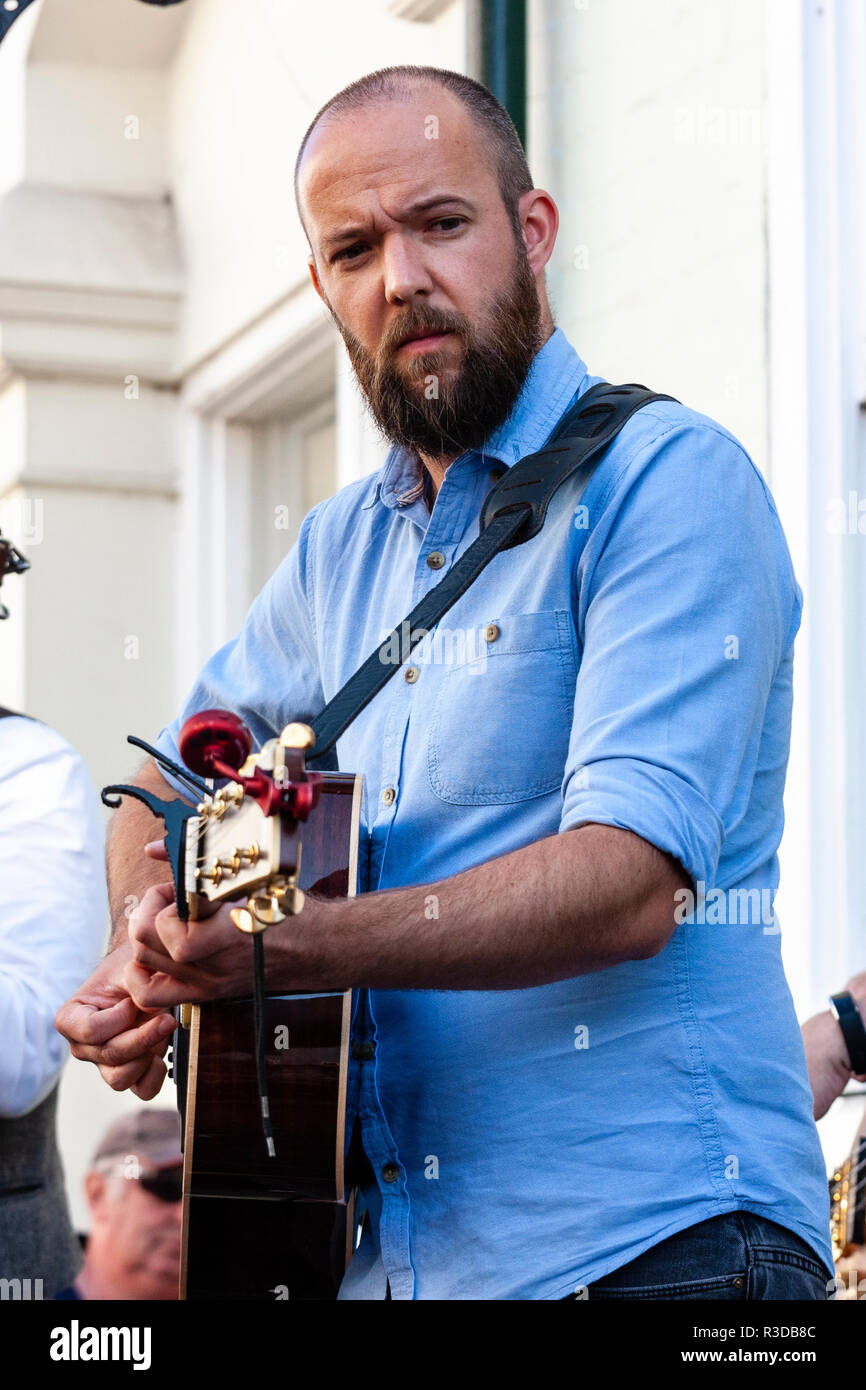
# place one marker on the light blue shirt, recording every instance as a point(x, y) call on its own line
point(631, 666)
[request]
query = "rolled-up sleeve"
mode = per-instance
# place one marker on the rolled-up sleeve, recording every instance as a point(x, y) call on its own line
point(686, 607)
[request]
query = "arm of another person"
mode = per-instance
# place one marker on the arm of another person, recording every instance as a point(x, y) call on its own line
point(826, 1053)
point(54, 910)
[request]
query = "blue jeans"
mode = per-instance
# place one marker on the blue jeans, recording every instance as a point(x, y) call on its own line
point(738, 1256)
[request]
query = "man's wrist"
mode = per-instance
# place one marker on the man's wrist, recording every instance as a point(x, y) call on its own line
point(299, 952)
point(119, 935)
point(844, 1009)
point(826, 1059)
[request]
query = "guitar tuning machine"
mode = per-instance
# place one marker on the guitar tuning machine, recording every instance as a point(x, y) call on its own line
point(223, 800)
point(264, 909)
point(292, 901)
point(231, 865)
point(297, 736)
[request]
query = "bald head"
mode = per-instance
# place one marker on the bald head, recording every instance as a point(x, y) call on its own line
point(441, 92)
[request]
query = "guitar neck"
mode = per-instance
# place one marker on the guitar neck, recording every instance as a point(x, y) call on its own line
point(848, 1200)
point(256, 1227)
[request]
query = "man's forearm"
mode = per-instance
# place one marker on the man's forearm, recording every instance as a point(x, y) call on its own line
point(573, 903)
point(130, 872)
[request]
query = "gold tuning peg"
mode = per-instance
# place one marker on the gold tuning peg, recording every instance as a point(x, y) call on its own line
point(244, 920)
point(297, 736)
point(265, 908)
point(292, 901)
point(261, 911)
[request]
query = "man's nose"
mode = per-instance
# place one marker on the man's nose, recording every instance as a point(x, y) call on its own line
point(404, 270)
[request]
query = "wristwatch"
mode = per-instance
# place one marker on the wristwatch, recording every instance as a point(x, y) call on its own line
point(849, 1018)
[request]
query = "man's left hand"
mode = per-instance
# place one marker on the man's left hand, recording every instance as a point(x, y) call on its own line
point(177, 962)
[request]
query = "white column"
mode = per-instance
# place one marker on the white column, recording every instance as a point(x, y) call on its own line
point(816, 228)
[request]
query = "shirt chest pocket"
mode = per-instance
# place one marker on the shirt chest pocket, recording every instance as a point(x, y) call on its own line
point(501, 721)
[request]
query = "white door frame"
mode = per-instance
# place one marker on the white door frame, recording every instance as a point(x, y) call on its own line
point(286, 357)
point(817, 369)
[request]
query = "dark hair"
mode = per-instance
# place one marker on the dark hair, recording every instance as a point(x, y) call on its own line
point(489, 115)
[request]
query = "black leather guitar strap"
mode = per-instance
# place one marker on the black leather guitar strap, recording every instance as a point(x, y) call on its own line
point(513, 512)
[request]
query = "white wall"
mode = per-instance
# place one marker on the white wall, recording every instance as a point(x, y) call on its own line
point(13, 108)
point(647, 124)
point(241, 97)
point(101, 585)
point(96, 128)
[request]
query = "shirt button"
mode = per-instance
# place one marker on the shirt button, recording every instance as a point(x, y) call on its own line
point(491, 632)
point(411, 674)
point(388, 796)
point(391, 1172)
point(435, 559)
point(363, 1051)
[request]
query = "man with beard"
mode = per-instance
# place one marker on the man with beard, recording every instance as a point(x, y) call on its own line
point(560, 1085)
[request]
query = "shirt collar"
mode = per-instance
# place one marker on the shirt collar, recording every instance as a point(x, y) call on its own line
point(556, 375)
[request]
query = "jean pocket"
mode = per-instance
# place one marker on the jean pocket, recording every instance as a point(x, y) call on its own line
point(722, 1286)
point(501, 723)
point(785, 1277)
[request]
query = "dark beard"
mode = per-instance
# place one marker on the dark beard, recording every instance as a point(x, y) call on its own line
point(472, 401)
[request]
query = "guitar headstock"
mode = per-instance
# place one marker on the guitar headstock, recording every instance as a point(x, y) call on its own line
point(244, 841)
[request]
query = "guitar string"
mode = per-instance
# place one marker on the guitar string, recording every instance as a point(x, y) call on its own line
point(259, 1004)
point(203, 858)
point(853, 1171)
point(857, 1156)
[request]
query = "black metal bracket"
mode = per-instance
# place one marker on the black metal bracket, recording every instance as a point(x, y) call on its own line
point(197, 785)
point(174, 815)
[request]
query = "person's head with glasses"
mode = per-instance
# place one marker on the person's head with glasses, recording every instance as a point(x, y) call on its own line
point(134, 1189)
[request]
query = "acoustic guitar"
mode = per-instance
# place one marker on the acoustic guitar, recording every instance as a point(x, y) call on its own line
point(267, 1209)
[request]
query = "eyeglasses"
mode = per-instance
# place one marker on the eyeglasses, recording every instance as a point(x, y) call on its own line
point(166, 1183)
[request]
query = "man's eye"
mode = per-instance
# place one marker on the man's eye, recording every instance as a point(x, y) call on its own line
point(356, 246)
point(360, 246)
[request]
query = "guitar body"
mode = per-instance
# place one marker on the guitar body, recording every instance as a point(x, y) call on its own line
point(256, 1227)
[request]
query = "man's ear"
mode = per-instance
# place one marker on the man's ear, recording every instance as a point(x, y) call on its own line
point(94, 1190)
point(314, 275)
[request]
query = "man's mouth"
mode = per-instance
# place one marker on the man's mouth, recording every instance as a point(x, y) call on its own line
point(423, 341)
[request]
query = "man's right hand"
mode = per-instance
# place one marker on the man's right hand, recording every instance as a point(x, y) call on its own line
point(104, 1026)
